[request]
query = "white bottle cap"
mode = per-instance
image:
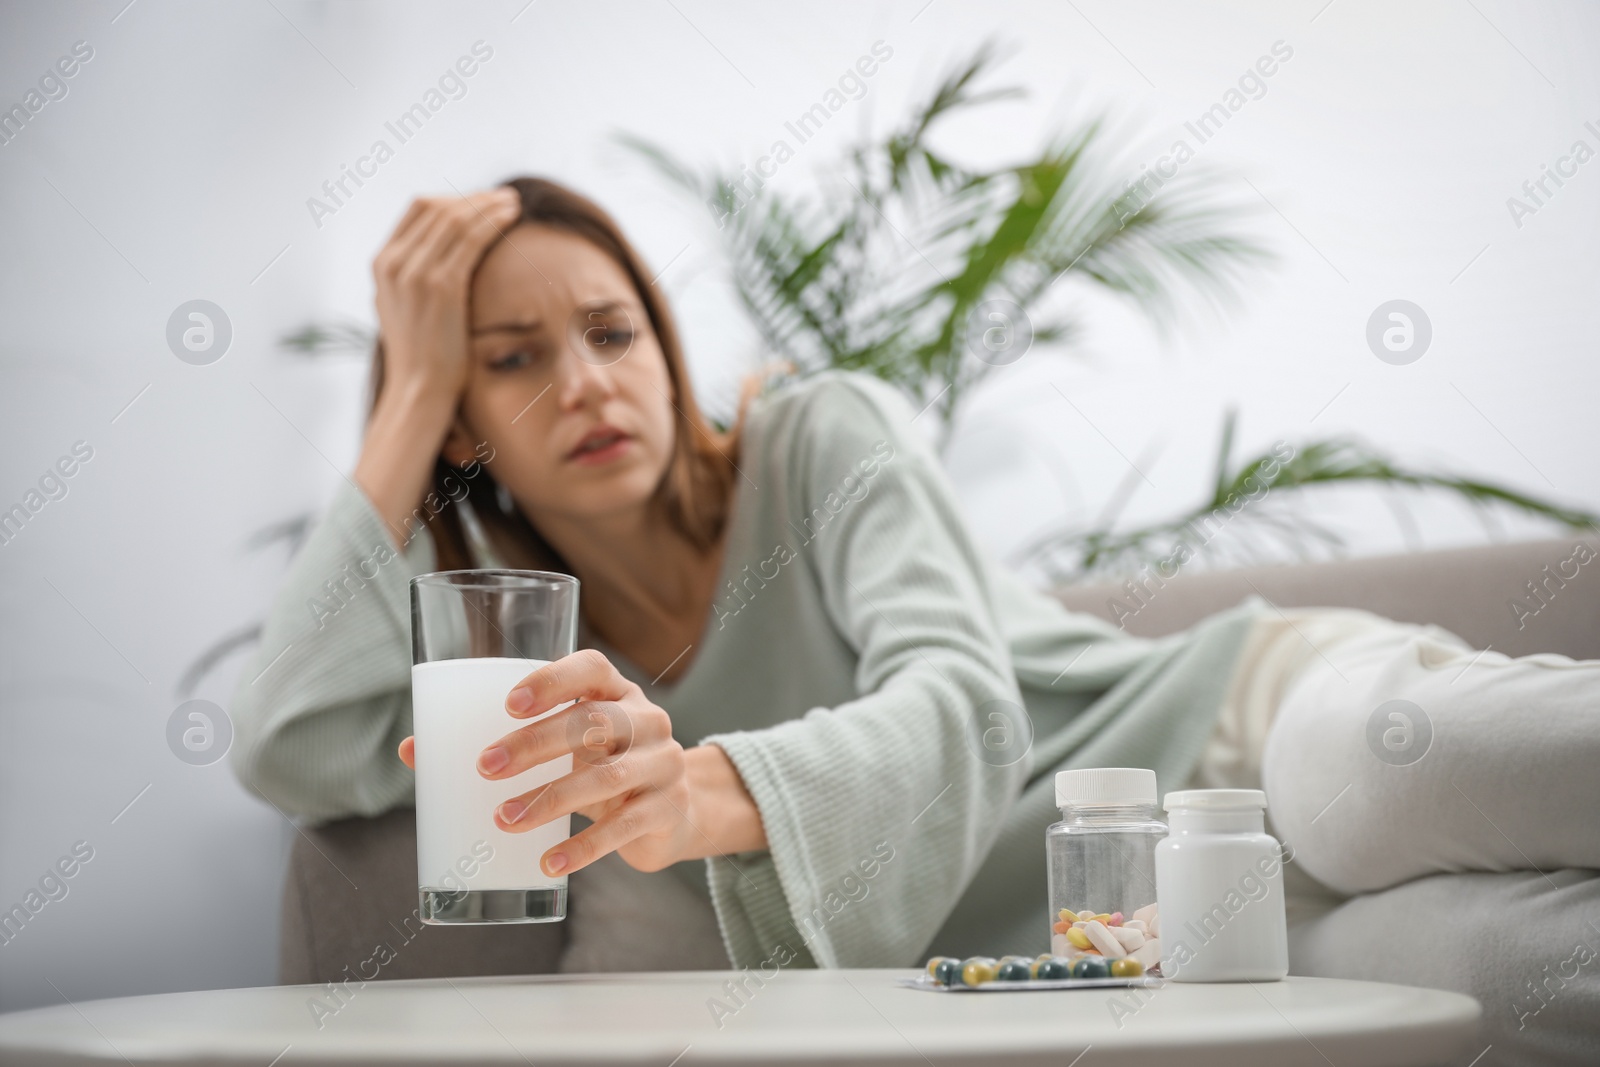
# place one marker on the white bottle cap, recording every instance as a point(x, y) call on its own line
point(1105, 785)
point(1214, 800)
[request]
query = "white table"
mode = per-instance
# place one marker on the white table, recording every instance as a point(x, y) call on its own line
point(798, 1017)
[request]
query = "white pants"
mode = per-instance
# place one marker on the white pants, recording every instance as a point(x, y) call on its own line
point(1389, 751)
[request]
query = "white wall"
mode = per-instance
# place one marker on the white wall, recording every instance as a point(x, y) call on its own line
point(179, 164)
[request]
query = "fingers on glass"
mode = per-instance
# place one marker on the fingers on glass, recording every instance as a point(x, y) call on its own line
point(585, 673)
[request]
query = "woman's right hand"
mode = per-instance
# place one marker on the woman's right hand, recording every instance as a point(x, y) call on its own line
point(424, 277)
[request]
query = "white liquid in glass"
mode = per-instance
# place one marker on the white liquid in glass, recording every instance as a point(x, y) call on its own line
point(458, 710)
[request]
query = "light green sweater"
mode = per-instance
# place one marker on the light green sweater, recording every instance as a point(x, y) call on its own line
point(865, 668)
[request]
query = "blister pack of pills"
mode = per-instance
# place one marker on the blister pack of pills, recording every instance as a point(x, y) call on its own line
point(1018, 973)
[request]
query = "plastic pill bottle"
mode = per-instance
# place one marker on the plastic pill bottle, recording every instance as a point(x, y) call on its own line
point(1101, 855)
point(1219, 875)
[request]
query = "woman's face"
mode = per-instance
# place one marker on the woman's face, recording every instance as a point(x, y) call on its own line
point(568, 382)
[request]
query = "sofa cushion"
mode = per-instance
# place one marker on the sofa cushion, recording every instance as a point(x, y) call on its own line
point(350, 914)
point(1525, 944)
point(352, 887)
point(1472, 592)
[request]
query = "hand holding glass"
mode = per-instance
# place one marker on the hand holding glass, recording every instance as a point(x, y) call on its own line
point(630, 778)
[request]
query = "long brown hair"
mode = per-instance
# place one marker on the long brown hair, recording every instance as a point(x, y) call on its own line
point(696, 489)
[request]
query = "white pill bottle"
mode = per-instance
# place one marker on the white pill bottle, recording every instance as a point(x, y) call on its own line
point(1219, 882)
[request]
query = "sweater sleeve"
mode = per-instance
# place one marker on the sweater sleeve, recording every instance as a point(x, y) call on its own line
point(320, 709)
point(878, 811)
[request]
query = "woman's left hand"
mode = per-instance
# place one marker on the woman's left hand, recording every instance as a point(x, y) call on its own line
point(629, 776)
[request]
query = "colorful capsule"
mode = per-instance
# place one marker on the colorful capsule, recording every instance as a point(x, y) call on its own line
point(976, 970)
point(1090, 967)
point(1013, 971)
point(1053, 969)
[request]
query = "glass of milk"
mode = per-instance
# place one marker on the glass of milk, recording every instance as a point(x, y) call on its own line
point(474, 635)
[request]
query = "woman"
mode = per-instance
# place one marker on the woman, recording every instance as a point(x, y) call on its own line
point(844, 719)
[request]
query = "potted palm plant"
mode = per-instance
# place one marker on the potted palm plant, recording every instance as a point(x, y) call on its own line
point(930, 273)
